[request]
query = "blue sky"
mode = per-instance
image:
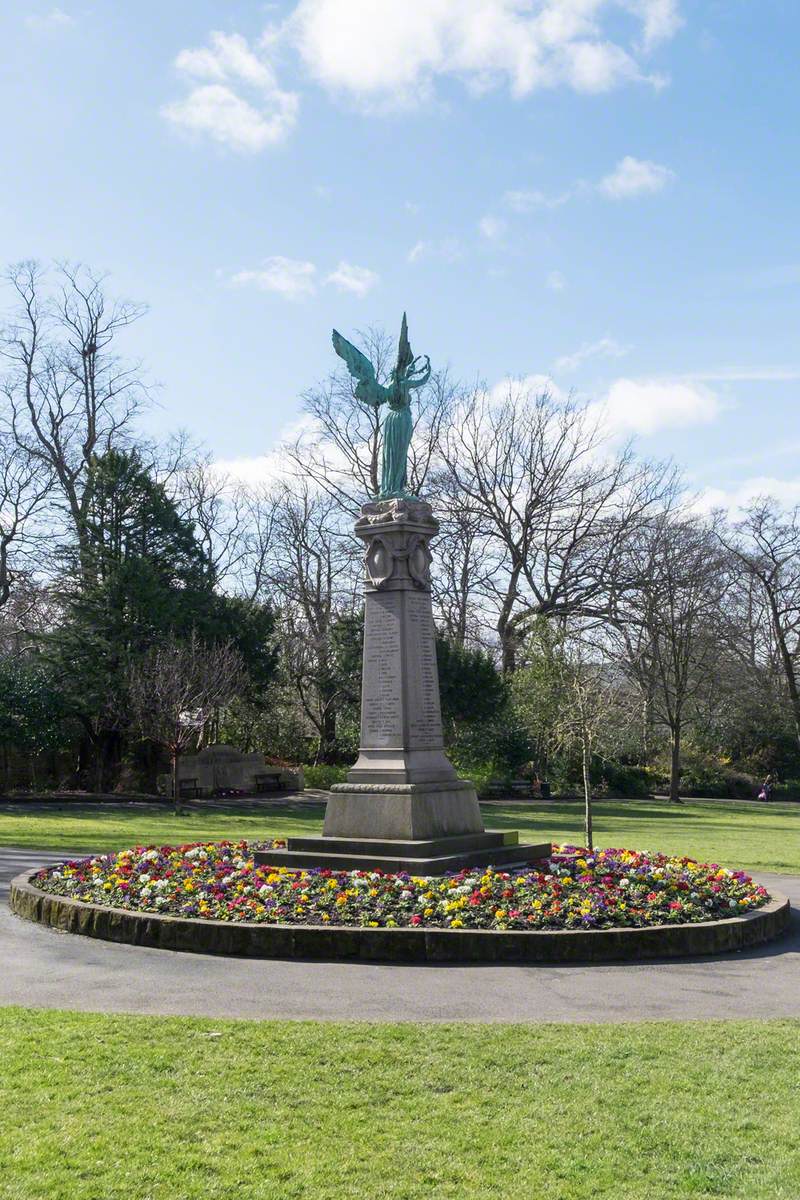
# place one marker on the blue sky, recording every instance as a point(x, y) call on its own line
point(602, 191)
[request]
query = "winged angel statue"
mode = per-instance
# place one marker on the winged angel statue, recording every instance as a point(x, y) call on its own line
point(398, 426)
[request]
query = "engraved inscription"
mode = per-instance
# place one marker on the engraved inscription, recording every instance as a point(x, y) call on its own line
point(381, 693)
point(424, 711)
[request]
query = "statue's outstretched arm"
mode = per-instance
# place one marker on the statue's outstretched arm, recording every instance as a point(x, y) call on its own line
point(419, 376)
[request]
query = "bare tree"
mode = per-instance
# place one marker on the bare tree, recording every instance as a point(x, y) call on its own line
point(670, 629)
point(766, 543)
point(462, 567)
point(177, 689)
point(261, 507)
point(313, 571)
point(594, 713)
point(558, 508)
point(24, 487)
point(69, 395)
point(218, 507)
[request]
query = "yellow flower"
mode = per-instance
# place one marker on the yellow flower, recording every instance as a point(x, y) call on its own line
point(428, 912)
point(456, 923)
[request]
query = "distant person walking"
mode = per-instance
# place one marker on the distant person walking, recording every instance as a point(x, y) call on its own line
point(767, 786)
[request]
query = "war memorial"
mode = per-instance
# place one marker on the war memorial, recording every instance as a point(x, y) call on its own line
point(403, 807)
point(404, 827)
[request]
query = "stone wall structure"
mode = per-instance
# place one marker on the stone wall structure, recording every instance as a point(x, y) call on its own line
point(221, 768)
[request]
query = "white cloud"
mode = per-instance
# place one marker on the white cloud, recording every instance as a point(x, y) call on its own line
point(522, 201)
point(394, 50)
point(390, 53)
point(555, 281)
point(262, 116)
point(447, 249)
point(289, 277)
point(492, 228)
point(49, 22)
point(739, 497)
point(647, 406)
point(349, 278)
point(635, 177)
point(270, 469)
point(526, 385)
point(604, 347)
point(661, 20)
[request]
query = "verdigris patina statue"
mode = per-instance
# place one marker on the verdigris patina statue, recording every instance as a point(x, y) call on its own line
point(397, 424)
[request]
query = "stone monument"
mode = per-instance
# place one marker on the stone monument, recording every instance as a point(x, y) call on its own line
point(403, 807)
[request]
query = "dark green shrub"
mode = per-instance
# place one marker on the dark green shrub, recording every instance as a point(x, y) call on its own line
point(322, 775)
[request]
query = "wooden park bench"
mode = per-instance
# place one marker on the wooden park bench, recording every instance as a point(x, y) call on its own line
point(189, 789)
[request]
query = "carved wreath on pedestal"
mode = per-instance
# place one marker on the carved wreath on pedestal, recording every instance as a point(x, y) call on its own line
point(382, 561)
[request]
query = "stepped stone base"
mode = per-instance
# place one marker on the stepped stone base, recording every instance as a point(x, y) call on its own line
point(420, 856)
point(405, 811)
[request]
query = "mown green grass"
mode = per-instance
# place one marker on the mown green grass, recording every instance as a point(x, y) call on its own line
point(765, 837)
point(135, 1108)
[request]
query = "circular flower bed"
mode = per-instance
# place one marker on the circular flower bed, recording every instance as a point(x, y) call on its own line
point(573, 890)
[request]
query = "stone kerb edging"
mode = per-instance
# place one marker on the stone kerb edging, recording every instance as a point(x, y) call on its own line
point(397, 945)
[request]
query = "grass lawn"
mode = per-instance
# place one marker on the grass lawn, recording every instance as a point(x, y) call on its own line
point(135, 1108)
point(737, 835)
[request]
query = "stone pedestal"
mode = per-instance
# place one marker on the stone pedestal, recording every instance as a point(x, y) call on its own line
point(403, 805)
point(402, 785)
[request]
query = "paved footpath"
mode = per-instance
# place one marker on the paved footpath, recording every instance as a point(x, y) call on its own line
point(43, 968)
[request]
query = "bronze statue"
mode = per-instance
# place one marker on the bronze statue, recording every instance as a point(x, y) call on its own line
point(397, 424)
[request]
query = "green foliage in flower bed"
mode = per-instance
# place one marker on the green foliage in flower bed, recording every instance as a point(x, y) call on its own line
point(219, 881)
point(170, 1108)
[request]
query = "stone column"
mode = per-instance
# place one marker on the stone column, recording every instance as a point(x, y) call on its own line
point(402, 786)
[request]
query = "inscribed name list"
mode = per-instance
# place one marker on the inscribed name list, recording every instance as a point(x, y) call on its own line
point(381, 690)
point(424, 710)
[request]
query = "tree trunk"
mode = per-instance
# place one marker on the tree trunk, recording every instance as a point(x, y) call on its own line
point(508, 643)
point(675, 766)
point(327, 735)
point(587, 796)
point(83, 765)
point(176, 795)
point(786, 661)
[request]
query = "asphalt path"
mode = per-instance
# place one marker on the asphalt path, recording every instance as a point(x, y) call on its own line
point(46, 969)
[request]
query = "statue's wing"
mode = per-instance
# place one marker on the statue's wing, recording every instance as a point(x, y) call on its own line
point(359, 366)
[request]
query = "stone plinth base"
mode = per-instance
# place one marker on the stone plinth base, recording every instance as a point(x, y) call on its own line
point(421, 856)
point(403, 811)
